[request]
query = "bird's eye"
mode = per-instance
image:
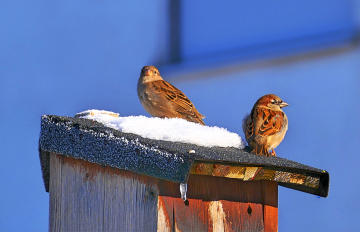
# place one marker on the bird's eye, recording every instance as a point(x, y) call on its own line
point(273, 101)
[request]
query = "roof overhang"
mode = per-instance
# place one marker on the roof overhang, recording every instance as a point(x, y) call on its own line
point(93, 142)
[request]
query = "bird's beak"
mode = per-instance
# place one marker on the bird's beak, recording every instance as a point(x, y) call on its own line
point(147, 72)
point(283, 104)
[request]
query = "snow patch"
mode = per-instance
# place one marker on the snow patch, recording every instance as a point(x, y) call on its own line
point(167, 129)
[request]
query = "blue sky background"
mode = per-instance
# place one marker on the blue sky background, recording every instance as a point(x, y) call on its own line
point(65, 57)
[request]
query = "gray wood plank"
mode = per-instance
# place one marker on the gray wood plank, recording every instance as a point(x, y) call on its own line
point(55, 194)
point(130, 203)
point(89, 197)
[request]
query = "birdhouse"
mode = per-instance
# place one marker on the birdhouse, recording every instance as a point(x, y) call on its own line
point(101, 179)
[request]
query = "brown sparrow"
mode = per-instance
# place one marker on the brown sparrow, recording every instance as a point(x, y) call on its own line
point(162, 99)
point(266, 126)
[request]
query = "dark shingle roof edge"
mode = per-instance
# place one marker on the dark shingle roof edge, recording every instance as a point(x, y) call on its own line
point(92, 141)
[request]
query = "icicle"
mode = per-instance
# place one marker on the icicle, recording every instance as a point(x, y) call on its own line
point(183, 190)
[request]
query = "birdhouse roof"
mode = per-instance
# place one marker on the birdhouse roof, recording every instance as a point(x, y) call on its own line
point(173, 161)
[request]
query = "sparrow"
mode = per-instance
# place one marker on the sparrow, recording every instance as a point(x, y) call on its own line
point(266, 125)
point(162, 99)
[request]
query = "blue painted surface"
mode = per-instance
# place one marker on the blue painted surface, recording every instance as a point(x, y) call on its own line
point(323, 111)
point(212, 27)
point(62, 58)
point(65, 57)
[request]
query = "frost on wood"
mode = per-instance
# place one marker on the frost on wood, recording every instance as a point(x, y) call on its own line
point(167, 129)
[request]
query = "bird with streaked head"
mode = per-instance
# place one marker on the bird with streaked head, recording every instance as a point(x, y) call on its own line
point(162, 99)
point(266, 126)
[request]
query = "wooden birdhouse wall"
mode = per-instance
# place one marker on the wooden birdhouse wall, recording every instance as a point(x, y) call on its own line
point(90, 197)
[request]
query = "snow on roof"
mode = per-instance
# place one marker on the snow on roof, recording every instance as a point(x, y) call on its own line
point(167, 129)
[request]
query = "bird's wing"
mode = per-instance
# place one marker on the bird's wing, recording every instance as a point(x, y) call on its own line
point(248, 126)
point(268, 122)
point(179, 102)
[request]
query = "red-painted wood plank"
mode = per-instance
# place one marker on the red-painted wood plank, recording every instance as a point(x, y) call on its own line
point(219, 204)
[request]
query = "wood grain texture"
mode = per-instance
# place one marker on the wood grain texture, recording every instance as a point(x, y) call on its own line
point(219, 204)
point(209, 188)
point(210, 215)
point(270, 193)
point(89, 197)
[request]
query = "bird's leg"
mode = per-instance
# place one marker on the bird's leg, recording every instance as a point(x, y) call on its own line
point(264, 151)
point(273, 153)
point(260, 150)
point(255, 150)
point(267, 152)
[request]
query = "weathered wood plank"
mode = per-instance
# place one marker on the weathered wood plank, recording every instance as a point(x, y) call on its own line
point(130, 202)
point(210, 215)
point(239, 216)
point(165, 216)
point(55, 194)
point(211, 188)
point(218, 204)
point(89, 197)
point(270, 196)
point(193, 217)
point(82, 197)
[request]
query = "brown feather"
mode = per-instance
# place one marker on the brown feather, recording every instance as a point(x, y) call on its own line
point(266, 126)
point(162, 99)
